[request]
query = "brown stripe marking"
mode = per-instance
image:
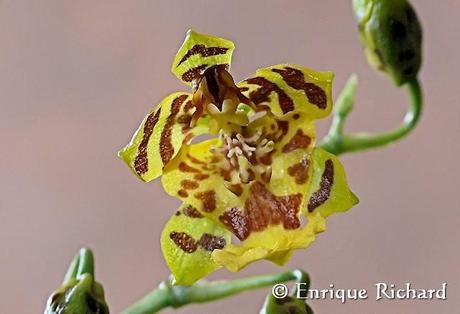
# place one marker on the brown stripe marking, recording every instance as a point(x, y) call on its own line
point(186, 121)
point(299, 171)
point(295, 79)
point(184, 241)
point(141, 164)
point(211, 242)
point(208, 198)
point(203, 51)
point(186, 168)
point(200, 176)
point(192, 212)
point(325, 186)
point(299, 140)
point(166, 147)
point(195, 160)
point(194, 73)
point(262, 94)
point(188, 106)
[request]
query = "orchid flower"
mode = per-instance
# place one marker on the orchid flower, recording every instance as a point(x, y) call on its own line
point(258, 189)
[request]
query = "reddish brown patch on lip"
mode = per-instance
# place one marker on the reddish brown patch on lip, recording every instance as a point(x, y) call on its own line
point(236, 222)
point(299, 140)
point(266, 88)
point(184, 241)
point(211, 242)
point(194, 73)
point(325, 186)
point(141, 164)
point(208, 198)
point(299, 172)
point(166, 147)
point(264, 208)
point(186, 168)
point(192, 212)
point(295, 79)
point(203, 51)
point(189, 184)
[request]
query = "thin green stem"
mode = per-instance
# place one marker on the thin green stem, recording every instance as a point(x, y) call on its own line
point(176, 296)
point(338, 143)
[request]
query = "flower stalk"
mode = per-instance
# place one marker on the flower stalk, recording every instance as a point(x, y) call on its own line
point(169, 295)
point(336, 142)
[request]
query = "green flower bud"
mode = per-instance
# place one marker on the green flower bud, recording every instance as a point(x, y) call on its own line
point(79, 293)
point(392, 37)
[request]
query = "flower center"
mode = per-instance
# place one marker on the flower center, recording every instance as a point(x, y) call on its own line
point(243, 155)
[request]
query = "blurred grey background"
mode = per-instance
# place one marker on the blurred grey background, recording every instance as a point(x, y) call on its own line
point(76, 78)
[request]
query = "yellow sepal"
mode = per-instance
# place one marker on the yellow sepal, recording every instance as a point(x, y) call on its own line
point(198, 53)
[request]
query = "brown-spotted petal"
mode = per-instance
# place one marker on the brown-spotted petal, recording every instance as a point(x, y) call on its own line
point(198, 53)
point(286, 88)
point(160, 136)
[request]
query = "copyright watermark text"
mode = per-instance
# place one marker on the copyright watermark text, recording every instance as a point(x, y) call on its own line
point(382, 291)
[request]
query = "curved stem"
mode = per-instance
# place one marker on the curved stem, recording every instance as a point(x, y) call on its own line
point(338, 143)
point(176, 296)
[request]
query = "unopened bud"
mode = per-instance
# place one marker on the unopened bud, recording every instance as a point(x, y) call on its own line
point(392, 37)
point(79, 293)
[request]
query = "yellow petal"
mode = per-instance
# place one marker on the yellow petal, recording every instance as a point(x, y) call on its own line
point(290, 88)
point(160, 136)
point(198, 53)
point(328, 190)
point(187, 242)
